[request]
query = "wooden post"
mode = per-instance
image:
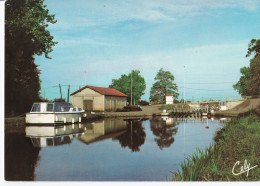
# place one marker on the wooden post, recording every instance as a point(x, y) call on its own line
point(60, 92)
point(68, 99)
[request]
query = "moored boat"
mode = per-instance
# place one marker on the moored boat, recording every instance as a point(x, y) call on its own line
point(54, 112)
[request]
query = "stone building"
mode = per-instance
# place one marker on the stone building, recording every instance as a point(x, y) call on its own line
point(92, 98)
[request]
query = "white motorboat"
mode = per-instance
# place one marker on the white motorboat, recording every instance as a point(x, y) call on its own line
point(54, 112)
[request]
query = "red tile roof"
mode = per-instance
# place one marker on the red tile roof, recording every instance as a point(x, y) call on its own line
point(104, 91)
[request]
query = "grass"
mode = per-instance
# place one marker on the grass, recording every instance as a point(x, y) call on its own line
point(238, 140)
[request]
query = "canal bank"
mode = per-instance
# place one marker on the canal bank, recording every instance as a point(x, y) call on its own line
point(249, 105)
point(236, 144)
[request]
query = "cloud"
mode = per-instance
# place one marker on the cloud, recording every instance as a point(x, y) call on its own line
point(81, 14)
point(209, 60)
point(77, 42)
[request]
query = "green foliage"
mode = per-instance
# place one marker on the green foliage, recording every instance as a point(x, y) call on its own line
point(26, 35)
point(254, 48)
point(249, 83)
point(163, 85)
point(123, 84)
point(255, 71)
point(243, 86)
point(238, 140)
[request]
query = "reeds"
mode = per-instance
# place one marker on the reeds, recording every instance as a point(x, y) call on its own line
point(196, 163)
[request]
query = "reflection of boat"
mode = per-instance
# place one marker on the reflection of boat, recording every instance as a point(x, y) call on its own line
point(42, 136)
point(101, 130)
point(53, 112)
point(223, 119)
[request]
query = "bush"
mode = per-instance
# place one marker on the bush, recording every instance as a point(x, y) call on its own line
point(143, 103)
point(130, 108)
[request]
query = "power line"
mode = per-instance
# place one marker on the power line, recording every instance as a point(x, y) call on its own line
point(203, 89)
point(209, 83)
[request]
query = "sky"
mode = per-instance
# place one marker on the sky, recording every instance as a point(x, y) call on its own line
point(203, 43)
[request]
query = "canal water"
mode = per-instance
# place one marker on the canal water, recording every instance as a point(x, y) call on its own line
point(106, 150)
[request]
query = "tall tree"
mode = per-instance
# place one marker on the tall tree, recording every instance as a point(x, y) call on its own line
point(249, 83)
point(124, 84)
point(26, 35)
point(164, 85)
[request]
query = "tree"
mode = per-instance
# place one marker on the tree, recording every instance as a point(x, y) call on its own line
point(163, 85)
point(123, 84)
point(254, 48)
point(243, 85)
point(255, 79)
point(26, 35)
point(249, 83)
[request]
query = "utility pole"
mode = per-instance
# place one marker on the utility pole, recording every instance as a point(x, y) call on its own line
point(131, 89)
point(68, 99)
point(44, 94)
point(184, 86)
point(60, 92)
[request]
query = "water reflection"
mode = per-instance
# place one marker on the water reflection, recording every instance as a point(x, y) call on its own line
point(168, 139)
point(42, 136)
point(134, 137)
point(20, 157)
point(164, 129)
point(102, 130)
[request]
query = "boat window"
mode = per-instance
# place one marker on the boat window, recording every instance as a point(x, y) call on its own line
point(50, 107)
point(66, 109)
point(74, 109)
point(80, 109)
point(35, 107)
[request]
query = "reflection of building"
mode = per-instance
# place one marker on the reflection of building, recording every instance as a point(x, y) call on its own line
point(169, 120)
point(101, 130)
point(98, 99)
point(42, 136)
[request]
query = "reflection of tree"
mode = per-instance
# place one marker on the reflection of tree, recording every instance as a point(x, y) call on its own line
point(20, 158)
point(134, 137)
point(164, 133)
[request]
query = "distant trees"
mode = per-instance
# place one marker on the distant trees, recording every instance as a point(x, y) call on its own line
point(164, 85)
point(134, 80)
point(26, 35)
point(249, 83)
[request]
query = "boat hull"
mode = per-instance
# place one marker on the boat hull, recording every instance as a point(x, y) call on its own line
point(52, 118)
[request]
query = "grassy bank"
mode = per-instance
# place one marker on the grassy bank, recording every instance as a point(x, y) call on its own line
point(238, 140)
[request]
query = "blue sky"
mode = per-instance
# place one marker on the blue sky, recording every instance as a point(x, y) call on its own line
point(101, 40)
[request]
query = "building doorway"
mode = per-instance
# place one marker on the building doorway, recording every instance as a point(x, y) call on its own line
point(88, 105)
